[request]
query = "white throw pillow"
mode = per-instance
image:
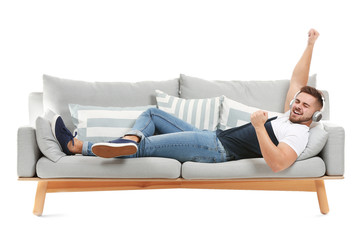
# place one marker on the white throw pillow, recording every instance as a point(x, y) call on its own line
point(235, 114)
point(201, 113)
point(102, 124)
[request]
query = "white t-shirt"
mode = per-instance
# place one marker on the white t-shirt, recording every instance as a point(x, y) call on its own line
point(293, 134)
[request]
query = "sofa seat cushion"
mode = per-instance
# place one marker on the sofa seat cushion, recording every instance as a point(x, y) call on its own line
point(79, 166)
point(252, 168)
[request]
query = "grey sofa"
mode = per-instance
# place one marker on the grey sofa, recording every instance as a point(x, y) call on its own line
point(84, 173)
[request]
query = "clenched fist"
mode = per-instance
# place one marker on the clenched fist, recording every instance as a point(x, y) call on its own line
point(259, 118)
point(313, 35)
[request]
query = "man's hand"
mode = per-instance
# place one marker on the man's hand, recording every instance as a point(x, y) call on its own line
point(313, 35)
point(259, 118)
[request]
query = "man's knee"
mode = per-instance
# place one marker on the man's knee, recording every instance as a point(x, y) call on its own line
point(155, 110)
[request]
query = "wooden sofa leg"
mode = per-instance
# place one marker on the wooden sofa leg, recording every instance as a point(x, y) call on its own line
point(40, 198)
point(322, 198)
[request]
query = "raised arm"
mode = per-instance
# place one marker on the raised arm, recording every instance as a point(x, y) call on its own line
point(300, 75)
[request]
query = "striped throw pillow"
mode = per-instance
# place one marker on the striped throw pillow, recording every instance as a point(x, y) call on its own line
point(101, 124)
point(235, 114)
point(201, 113)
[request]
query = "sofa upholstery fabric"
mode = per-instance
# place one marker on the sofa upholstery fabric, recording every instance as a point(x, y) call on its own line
point(58, 93)
point(28, 152)
point(95, 167)
point(268, 95)
point(317, 140)
point(251, 168)
point(333, 151)
point(47, 143)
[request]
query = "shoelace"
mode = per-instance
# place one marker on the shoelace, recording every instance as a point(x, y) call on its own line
point(70, 134)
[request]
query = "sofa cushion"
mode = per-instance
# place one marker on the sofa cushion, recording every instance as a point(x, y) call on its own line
point(235, 114)
point(48, 145)
point(58, 93)
point(79, 166)
point(252, 168)
point(102, 124)
point(269, 95)
point(201, 113)
point(317, 140)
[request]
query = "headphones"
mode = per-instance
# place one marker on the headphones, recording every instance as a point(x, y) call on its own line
point(318, 115)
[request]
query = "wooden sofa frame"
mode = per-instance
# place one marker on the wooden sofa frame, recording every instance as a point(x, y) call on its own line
point(52, 185)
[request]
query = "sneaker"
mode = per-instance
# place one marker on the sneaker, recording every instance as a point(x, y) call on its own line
point(115, 148)
point(62, 134)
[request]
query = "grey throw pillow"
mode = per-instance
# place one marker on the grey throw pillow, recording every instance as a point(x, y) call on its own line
point(317, 139)
point(48, 145)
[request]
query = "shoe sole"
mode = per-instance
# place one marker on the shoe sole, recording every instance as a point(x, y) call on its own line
point(111, 150)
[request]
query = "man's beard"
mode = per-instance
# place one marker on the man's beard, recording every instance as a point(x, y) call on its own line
point(300, 120)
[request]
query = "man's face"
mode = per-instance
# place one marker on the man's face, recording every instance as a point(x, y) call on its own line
point(303, 108)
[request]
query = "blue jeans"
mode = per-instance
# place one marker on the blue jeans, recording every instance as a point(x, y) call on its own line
point(163, 135)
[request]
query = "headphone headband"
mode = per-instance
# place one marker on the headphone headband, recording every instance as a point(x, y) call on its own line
point(322, 99)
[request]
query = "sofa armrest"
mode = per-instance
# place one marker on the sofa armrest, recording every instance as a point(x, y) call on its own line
point(28, 151)
point(333, 151)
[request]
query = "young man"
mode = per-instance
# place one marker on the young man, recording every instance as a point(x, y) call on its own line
point(278, 140)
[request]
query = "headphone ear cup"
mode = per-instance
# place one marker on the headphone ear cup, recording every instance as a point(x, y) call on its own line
point(317, 116)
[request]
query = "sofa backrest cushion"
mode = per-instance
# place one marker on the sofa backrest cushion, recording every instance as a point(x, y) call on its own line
point(268, 95)
point(58, 93)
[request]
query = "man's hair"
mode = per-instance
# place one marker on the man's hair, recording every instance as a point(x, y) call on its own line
point(315, 93)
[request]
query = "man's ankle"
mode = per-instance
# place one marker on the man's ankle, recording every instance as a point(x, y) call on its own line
point(76, 147)
point(132, 137)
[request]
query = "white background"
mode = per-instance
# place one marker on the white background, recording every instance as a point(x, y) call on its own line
point(157, 40)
